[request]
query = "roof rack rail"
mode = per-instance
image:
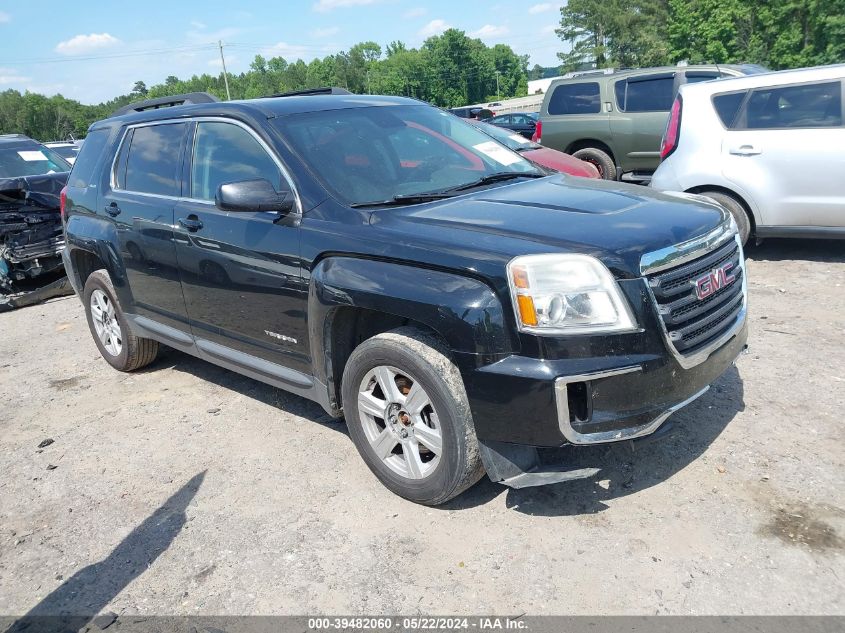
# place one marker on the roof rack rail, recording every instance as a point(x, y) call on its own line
point(166, 102)
point(313, 91)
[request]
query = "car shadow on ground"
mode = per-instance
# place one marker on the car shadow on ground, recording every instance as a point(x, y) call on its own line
point(775, 250)
point(74, 603)
point(626, 467)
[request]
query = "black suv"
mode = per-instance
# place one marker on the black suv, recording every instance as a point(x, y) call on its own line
point(391, 262)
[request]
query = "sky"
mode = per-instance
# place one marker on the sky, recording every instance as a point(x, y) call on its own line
point(92, 51)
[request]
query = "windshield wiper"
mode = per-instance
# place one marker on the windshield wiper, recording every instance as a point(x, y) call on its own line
point(405, 198)
point(499, 177)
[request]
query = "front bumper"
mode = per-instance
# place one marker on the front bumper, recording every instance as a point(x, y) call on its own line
point(594, 390)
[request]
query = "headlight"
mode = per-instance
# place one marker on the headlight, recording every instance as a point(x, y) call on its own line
point(566, 294)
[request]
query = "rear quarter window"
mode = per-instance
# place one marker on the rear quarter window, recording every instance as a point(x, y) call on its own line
point(579, 98)
point(83, 170)
point(727, 107)
point(645, 95)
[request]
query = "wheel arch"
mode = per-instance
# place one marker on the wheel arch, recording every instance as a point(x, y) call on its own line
point(351, 300)
point(591, 142)
point(749, 210)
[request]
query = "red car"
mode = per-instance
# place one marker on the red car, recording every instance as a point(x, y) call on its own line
point(536, 153)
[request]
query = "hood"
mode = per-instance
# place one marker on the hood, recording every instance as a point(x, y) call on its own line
point(561, 162)
point(612, 221)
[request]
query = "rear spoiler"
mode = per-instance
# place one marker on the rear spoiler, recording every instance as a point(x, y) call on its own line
point(189, 98)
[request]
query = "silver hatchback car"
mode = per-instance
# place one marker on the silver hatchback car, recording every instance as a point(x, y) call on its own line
point(770, 148)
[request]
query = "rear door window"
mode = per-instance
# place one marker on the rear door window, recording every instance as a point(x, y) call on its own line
point(154, 159)
point(804, 106)
point(579, 98)
point(652, 94)
point(225, 152)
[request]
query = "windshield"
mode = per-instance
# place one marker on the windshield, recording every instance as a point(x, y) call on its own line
point(30, 160)
point(374, 154)
point(514, 141)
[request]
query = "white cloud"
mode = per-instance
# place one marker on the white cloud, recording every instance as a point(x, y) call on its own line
point(10, 76)
point(5, 17)
point(489, 30)
point(416, 12)
point(549, 28)
point(541, 8)
point(435, 27)
point(326, 32)
point(324, 6)
point(81, 44)
point(197, 25)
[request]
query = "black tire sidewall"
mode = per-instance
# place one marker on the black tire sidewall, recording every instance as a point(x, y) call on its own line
point(440, 485)
point(736, 209)
point(593, 155)
point(95, 282)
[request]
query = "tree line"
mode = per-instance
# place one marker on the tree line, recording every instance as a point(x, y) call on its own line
point(777, 34)
point(448, 70)
point(453, 69)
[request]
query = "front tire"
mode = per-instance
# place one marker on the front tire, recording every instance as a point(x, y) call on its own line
point(408, 416)
point(122, 350)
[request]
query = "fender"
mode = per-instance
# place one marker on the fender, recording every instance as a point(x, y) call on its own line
point(464, 311)
point(90, 234)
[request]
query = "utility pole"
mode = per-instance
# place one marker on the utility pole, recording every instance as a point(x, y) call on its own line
point(225, 74)
point(369, 92)
point(498, 94)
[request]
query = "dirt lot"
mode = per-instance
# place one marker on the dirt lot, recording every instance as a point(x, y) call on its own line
point(187, 489)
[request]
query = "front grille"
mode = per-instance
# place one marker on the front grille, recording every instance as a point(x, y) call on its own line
point(692, 323)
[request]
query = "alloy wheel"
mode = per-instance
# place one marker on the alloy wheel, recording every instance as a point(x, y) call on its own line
point(105, 322)
point(400, 422)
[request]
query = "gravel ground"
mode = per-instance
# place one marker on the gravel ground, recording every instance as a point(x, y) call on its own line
point(187, 489)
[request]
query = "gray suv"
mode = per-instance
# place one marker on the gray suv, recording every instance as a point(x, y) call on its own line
point(616, 121)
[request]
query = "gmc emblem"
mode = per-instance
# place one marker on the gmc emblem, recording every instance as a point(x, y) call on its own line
point(715, 280)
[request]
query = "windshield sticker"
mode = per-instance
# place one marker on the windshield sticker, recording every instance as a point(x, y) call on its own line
point(517, 138)
point(497, 152)
point(32, 156)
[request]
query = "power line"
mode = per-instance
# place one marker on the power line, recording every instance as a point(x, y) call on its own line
point(140, 53)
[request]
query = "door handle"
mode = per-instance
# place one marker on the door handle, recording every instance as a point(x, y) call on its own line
point(113, 210)
point(192, 223)
point(745, 150)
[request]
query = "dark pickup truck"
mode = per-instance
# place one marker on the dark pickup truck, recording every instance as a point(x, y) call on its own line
point(456, 304)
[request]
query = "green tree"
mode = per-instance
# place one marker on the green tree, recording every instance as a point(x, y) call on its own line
point(140, 89)
point(613, 32)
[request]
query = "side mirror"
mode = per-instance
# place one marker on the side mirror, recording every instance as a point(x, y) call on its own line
point(253, 195)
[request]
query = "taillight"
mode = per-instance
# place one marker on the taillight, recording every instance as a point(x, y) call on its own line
point(673, 129)
point(537, 137)
point(63, 201)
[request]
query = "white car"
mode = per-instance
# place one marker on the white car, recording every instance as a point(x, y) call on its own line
point(770, 148)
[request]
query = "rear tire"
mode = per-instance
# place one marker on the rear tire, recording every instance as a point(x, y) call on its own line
point(122, 350)
point(737, 210)
point(416, 434)
point(602, 161)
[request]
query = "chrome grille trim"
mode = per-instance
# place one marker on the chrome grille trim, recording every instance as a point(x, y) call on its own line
point(724, 303)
